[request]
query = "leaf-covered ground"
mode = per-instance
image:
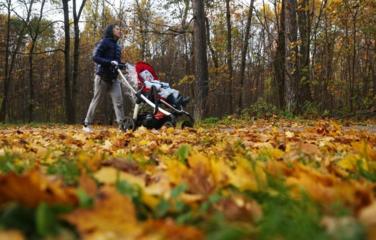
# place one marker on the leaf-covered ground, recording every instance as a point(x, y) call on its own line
point(266, 179)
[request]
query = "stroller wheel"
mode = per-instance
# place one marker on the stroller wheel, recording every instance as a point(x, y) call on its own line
point(169, 124)
point(185, 121)
point(128, 124)
point(187, 124)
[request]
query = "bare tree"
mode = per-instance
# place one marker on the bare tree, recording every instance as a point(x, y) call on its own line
point(76, 54)
point(244, 52)
point(34, 31)
point(200, 57)
point(292, 58)
point(4, 102)
point(229, 55)
point(69, 115)
point(9, 63)
point(304, 21)
point(280, 56)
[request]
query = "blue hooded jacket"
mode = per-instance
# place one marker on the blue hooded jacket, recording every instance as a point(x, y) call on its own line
point(107, 50)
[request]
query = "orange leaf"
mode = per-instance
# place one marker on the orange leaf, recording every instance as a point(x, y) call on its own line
point(88, 184)
point(11, 235)
point(167, 229)
point(32, 188)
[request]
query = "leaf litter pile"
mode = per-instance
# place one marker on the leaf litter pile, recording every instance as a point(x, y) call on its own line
point(266, 179)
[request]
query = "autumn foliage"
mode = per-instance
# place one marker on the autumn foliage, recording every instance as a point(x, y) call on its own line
point(275, 179)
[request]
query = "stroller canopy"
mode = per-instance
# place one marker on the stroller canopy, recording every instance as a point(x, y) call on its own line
point(141, 67)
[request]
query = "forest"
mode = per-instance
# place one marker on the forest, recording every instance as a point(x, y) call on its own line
point(311, 58)
point(283, 99)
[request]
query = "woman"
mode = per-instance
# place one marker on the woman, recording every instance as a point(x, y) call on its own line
point(106, 55)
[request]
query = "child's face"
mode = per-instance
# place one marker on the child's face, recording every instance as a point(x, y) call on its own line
point(116, 32)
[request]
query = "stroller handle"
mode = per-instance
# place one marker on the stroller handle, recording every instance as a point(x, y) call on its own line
point(121, 66)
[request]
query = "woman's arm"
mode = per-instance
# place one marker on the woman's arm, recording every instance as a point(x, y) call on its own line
point(99, 51)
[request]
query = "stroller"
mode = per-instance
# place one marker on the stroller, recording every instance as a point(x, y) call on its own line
point(146, 93)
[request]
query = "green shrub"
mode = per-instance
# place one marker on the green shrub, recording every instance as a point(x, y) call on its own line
point(210, 120)
point(260, 109)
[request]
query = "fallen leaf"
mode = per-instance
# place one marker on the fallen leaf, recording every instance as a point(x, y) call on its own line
point(110, 175)
point(112, 217)
point(32, 188)
point(124, 165)
point(88, 184)
point(11, 235)
point(167, 229)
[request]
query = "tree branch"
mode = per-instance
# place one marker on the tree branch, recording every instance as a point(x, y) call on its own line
point(35, 53)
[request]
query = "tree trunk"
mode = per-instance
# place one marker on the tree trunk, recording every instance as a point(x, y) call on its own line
point(31, 85)
point(229, 56)
point(352, 79)
point(304, 84)
point(200, 58)
point(279, 59)
point(67, 78)
point(313, 59)
point(374, 70)
point(291, 61)
point(34, 37)
point(4, 100)
point(76, 55)
point(212, 51)
point(243, 56)
point(9, 67)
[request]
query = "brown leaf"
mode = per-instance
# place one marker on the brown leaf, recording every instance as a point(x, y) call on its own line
point(367, 216)
point(88, 184)
point(200, 180)
point(309, 149)
point(124, 165)
point(239, 208)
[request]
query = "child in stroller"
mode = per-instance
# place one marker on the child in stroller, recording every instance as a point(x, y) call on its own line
point(143, 83)
point(150, 85)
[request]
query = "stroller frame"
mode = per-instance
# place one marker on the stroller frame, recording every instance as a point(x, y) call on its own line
point(131, 123)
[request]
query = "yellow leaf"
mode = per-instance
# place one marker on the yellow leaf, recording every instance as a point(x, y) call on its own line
point(143, 142)
point(274, 153)
point(351, 162)
point(110, 175)
point(191, 198)
point(289, 134)
point(151, 201)
point(112, 217)
point(174, 170)
point(365, 150)
point(167, 229)
point(164, 148)
point(160, 185)
point(107, 144)
point(170, 130)
point(325, 141)
point(248, 176)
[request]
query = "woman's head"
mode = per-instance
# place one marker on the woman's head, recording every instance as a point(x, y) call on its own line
point(112, 31)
